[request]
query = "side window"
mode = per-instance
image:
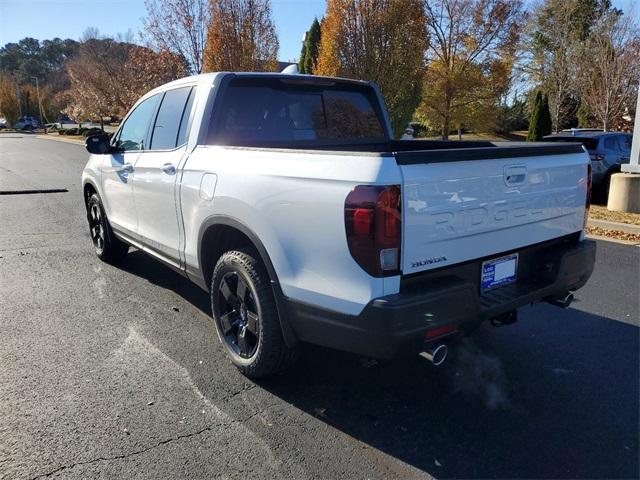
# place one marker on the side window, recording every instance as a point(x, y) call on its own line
point(169, 118)
point(184, 123)
point(611, 143)
point(625, 142)
point(134, 131)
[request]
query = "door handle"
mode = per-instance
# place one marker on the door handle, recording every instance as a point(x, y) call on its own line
point(169, 168)
point(127, 167)
point(515, 174)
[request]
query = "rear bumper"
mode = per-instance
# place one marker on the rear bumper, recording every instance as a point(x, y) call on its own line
point(427, 301)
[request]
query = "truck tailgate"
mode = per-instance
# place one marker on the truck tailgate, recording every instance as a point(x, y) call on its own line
point(461, 205)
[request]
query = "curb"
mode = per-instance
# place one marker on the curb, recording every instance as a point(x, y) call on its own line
point(59, 138)
point(607, 225)
point(613, 240)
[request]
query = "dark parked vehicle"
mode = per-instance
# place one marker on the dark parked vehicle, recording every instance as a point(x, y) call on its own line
point(607, 150)
point(27, 123)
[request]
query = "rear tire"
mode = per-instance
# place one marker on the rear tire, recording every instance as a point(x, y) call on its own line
point(245, 315)
point(108, 248)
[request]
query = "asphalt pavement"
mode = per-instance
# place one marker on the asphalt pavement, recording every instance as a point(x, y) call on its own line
point(116, 372)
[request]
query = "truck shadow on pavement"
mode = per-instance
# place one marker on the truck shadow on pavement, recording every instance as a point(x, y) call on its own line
point(554, 396)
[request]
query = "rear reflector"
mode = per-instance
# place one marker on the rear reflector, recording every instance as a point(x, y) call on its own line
point(441, 331)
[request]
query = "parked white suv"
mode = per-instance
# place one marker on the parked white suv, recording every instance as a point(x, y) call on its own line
point(287, 199)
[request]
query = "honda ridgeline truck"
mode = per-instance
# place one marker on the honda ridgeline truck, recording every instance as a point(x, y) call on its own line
point(288, 199)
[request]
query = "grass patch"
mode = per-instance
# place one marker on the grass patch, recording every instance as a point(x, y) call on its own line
point(598, 212)
point(616, 234)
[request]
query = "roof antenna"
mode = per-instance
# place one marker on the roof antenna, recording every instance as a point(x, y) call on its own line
point(291, 69)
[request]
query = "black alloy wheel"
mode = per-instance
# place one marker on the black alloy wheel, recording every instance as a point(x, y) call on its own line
point(245, 315)
point(107, 247)
point(238, 319)
point(96, 227)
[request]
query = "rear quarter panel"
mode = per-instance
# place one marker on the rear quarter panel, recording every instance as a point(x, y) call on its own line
point(294, 202)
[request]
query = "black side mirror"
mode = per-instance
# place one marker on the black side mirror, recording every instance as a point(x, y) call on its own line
point(98, 144)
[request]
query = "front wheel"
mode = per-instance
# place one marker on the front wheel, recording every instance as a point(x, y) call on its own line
point(246, 317)
point(107, 247)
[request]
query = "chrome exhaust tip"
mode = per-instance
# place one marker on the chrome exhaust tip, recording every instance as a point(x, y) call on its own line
point(436, 354)
point(562, 301)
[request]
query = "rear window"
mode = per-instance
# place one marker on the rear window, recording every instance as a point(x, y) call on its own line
point(276, 113)
point(589, 143)
point(169, 119)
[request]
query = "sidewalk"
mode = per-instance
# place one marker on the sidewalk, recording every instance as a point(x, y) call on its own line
point(626, 233)
point(618, 226)
point(78, 140)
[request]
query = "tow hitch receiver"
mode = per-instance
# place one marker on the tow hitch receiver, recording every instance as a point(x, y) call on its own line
point(508, 318)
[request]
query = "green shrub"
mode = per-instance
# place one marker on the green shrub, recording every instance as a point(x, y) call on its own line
point(61, 131)
point(71, 131)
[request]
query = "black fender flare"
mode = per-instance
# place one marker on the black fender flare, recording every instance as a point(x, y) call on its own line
point(84, 185)
point(111, 235)
point(288, 335)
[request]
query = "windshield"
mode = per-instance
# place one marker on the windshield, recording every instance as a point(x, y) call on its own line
point(268, 112)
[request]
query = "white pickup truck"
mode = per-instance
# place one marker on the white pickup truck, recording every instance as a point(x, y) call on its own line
point(286, 198)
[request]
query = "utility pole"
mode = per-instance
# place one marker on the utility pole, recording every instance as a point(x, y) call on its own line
point(39, 103)
point(634, 161)
point(624, 192)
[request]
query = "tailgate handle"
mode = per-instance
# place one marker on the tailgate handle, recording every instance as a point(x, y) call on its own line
point(515, 174)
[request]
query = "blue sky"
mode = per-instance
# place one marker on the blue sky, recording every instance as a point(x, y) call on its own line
point(44, 19)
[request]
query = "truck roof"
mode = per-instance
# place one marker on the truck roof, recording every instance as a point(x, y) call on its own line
point(209, 78)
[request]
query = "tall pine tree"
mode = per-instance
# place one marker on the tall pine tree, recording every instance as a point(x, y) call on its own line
point(544, 120)
point(532, 133)
point(309, 53)
point(540, 121)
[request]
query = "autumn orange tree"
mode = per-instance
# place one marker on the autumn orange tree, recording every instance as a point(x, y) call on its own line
point(107, 76)
point(149, 69)
point(470, 59)
point(241, 37)
point(9, 105)
point(379, 40)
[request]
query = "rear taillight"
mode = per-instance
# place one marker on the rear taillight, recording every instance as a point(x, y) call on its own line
point(588, 200)
point(373, 224)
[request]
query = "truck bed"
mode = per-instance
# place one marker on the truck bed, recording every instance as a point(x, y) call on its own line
point(416, 151)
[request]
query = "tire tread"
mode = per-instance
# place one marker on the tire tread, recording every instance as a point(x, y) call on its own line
point(273, 355)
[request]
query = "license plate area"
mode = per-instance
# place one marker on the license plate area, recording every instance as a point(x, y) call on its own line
point(498, 272)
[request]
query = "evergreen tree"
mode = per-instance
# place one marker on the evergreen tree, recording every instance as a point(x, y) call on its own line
point(544, 120)
point(312, 43)
point(583, 115)
point(533, 134)
point(303, 56)
point(540, 121)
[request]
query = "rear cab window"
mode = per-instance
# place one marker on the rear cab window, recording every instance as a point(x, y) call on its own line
point(278, 112)
point(170, 119)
